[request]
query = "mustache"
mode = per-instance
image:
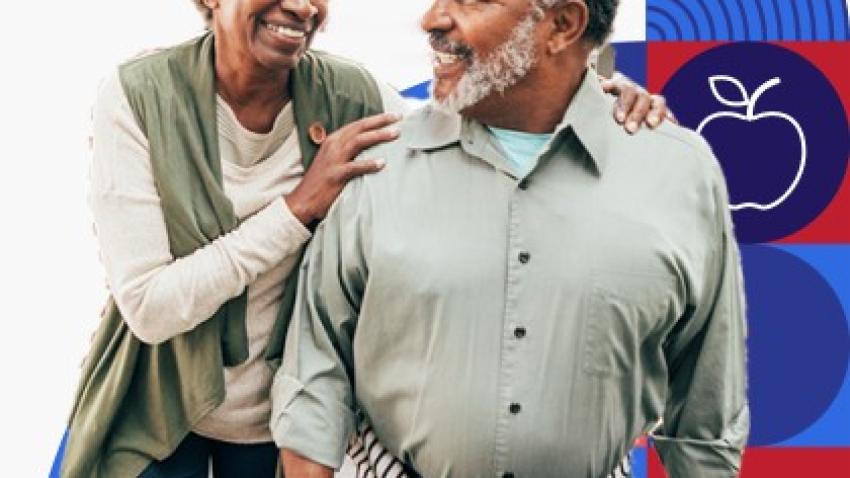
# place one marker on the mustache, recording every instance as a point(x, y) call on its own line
point(440, 42)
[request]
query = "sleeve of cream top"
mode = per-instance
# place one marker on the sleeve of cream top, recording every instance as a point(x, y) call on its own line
point(159, 296)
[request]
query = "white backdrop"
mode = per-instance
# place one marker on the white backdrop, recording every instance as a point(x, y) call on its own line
point(53, 55)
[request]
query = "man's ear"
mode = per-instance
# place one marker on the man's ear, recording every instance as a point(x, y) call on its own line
point(211, 4)
point(569, 20)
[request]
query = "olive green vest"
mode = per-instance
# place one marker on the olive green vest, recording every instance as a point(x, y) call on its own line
point(136, 402)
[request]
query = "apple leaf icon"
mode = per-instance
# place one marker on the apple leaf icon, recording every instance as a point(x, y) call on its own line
point(750, 116)
point(716, 80)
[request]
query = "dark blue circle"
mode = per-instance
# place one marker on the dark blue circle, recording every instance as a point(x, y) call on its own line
point(760, 158)
point(799, 344)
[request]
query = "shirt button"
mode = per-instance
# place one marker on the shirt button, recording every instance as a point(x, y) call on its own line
point(515, 408)
point(507, 474)
point(523, 184)
point(519, 332)
point(524, 257)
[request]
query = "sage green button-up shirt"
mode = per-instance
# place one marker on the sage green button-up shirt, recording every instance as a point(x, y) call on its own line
point(487, 324)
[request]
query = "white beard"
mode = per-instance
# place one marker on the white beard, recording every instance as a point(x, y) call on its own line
point(509, 63)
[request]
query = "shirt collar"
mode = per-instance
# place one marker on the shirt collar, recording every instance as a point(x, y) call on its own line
point(432, 128)
point(588, 116)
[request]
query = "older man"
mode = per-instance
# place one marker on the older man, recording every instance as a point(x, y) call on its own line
point(526, 288)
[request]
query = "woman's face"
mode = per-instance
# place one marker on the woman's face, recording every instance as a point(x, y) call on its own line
point(273, 33)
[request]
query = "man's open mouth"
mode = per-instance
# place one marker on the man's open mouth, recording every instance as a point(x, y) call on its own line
point(447, 59)
point(285, 31)
point(447, 52)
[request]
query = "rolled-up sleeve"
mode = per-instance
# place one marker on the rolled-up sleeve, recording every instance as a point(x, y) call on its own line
point(706, 420)
point(312, 397)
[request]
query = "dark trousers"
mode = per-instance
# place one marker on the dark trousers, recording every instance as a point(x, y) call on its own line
point(192, 459)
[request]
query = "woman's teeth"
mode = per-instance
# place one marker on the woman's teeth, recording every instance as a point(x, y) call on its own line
point(285, 31)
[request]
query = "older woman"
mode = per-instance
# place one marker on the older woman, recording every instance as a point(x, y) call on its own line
point(212, 161)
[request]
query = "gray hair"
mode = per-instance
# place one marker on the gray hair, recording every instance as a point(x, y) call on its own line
point(600, 21)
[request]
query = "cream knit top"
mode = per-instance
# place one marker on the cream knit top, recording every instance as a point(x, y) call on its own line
point(161, 297)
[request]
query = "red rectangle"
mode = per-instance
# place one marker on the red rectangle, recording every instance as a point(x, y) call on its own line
point(782, 462)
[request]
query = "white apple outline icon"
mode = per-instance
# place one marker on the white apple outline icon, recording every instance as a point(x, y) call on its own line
point(750, 103)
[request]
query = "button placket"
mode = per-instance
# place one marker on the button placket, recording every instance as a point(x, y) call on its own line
point(509, 343)
point(513, 332)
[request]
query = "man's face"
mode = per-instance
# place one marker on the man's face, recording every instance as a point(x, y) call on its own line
point(480, 47)
point(276, 33)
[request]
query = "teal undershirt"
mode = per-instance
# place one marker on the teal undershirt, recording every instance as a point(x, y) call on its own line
point(522, 149)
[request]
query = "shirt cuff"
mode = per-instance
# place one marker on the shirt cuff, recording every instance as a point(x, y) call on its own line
point(315, 428)
point(698, 458)
point(292, 232)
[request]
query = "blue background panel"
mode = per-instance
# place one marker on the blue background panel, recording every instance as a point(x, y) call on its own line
point(833, 263)
point(747, 20)
point(631, 60)
point(798, 347)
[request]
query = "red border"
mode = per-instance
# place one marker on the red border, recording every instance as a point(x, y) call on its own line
point(781, 462)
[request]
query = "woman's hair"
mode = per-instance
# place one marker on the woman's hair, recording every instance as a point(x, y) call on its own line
point(205, 11)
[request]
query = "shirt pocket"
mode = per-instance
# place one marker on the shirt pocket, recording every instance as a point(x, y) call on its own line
point(622, 311)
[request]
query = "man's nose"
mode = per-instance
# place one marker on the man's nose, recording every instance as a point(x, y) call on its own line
point(303, 9)
point(437, 17)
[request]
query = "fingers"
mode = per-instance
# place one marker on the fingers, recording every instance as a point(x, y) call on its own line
point(609, 86)
point(369, 138)
point(349, 141)
point(333, 167)
point(625, 103)
point(638, 113)
point(635, 106)
point(671, 117)
point(616, 84)
point(657, 111)
point(359, 168)
point(370, 122)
